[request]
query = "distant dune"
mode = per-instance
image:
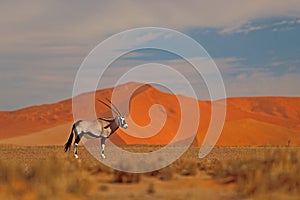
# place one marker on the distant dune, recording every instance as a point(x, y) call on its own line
point(249, 120)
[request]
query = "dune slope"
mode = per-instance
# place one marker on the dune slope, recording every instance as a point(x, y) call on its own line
point(249, 120)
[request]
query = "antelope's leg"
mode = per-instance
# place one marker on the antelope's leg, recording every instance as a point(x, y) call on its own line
point(76, 142)
point(103, 147)
point(75, 150)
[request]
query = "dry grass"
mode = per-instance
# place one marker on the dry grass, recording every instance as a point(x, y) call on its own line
point(186, 167)
point(275, 172)
point(41, 180)
point(125, 177)
point(254, 172)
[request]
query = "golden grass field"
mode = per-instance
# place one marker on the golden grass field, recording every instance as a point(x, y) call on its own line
point(226, 173)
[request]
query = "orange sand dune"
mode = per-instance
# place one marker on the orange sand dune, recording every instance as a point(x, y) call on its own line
point(249, 131)
point(52, 136)
point(249, 120)
point(38, 118)
point(283, 111)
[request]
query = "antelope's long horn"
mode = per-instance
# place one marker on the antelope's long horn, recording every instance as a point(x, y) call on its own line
point(115, 107)
point(108, 106)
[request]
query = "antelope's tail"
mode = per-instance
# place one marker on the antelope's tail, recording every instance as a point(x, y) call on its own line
point(69, 142)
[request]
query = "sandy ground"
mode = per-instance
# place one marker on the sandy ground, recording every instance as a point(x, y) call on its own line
point(197, 185)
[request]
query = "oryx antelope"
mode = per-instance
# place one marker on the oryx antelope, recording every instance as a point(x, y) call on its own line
point(100, 128)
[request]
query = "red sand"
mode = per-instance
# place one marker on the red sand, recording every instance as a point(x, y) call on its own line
point(249, 120)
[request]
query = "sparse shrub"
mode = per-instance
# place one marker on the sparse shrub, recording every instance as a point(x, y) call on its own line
point(163, 174)
point(96, 168)
point(103, 188)
point(122, 175)
point(46, 179)
point(186, 167)
point(5, 172)
point(276, 171)
point(289, 143)
point(189, 169)
point(125, 177)
point(166, 173)
point(152, 173)
point(150, 189)
point(210, 165)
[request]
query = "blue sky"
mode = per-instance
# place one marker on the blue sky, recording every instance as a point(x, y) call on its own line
point(255, 45)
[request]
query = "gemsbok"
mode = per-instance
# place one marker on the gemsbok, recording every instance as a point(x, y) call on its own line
point(100, 128)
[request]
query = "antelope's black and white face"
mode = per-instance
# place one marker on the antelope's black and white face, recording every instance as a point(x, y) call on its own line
point(122, 123)
point(120, 120)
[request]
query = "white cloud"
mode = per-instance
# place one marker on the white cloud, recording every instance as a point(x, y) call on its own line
point(241, 29)
point(286, 22)
point(282, 29)
point(283, 22)
point(284, 25)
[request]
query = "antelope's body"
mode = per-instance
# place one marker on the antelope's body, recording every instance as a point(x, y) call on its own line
point(100, 128)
